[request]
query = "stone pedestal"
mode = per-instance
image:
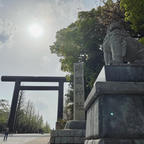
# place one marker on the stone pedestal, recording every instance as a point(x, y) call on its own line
point(115, 108)
point(74, 133)
point(68, 136)
point(115, 141)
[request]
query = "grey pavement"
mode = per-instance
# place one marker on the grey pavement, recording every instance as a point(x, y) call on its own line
point(25, 139)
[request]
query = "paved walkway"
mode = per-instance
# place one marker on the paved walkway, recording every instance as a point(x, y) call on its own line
point(26, 139)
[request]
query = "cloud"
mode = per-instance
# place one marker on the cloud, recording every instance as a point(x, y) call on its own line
point(1, 5)
point(4, 37)
point(6, 32)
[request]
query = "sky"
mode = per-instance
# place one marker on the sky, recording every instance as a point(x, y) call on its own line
point(27, 29)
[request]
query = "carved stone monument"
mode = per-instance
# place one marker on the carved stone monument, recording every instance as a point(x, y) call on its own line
point(79, 112)
point(120, 48)
point(115, 105)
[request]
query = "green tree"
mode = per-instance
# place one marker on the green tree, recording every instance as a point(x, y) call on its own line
point(68, 108)
point(4, 113)
point(134, 13)
point(81, 42)
point(110, 11)
point(27, 120)
point(46, 128)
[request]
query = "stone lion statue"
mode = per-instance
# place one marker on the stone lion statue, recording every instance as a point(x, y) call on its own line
point(120, 48)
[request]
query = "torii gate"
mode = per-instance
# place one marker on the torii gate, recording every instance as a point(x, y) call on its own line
point(18, 87)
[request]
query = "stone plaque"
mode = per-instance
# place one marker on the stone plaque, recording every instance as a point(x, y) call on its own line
point(79, 112)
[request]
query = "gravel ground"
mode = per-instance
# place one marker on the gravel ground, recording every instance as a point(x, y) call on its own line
point(26, 139)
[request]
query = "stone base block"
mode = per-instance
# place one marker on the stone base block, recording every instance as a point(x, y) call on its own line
point(125, 73)
point(115, 141)
point(76, 124)
point(60, 125)
point(115, 110)
point(67, 137)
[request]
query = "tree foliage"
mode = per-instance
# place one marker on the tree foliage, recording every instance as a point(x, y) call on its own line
point(27, 120)
point(81, 42)
point(134, 13)
point(68, 108)
point(4, 112)
point(110, 12)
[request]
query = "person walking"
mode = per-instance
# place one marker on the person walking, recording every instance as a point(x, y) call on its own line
point(6, 134)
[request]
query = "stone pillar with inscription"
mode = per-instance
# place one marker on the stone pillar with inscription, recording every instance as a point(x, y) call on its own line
point(74, 131)
point(79, 112)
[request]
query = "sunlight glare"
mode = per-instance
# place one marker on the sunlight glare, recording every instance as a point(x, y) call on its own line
point(36, 30)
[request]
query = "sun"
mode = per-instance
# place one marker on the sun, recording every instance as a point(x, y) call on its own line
point(36, 30)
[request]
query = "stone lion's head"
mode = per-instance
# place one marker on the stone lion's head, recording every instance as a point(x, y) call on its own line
point(115, 25)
